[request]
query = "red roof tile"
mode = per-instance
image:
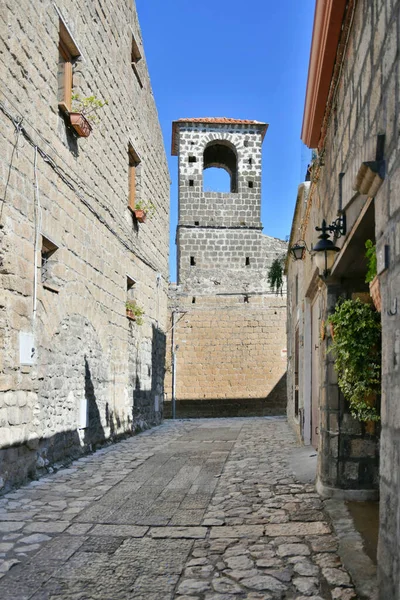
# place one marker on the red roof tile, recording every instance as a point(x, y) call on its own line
point(214, 120)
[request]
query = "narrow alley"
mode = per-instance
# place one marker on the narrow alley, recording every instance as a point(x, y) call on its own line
point(202, 509)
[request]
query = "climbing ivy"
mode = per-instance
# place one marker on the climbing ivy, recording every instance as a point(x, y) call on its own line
point(275, 275)
point(356, 347)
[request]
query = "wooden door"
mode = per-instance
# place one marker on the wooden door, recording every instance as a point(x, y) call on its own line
point(315, 383)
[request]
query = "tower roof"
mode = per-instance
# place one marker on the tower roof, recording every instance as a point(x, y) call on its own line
point(213, 121)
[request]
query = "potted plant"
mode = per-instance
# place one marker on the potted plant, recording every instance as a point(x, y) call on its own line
point(356, 347)
point(372, 277)
point(275, 275)
point(83, 113)
point(143, 209)
point(134, 312)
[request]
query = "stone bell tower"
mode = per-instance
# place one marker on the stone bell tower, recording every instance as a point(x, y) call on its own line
point(219, 234)
point(232, 336)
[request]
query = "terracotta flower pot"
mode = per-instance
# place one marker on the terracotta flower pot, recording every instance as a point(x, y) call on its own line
point(140, 215)
point(80, 124)
point(375, 291)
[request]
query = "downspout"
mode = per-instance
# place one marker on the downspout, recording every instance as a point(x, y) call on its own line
point(173, 351)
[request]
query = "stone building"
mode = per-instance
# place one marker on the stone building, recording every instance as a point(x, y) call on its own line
point(351, 120)
point(75, 368)
point(227, 326)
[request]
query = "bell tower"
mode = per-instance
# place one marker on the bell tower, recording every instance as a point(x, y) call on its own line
point(228, 328)
point(219, 233)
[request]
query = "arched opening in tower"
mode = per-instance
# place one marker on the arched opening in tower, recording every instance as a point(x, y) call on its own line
point(220, 155)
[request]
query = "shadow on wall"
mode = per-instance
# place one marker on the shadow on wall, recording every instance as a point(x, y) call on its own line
point(148, 388)
point(74, 369)
point(272, 405)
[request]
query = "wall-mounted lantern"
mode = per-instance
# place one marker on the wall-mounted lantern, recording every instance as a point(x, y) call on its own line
point(325, 250)
point(298, 250)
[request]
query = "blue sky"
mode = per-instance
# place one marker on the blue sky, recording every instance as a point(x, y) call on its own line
point(214, 58)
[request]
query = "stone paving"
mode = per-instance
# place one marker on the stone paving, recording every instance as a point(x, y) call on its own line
point(191, 510)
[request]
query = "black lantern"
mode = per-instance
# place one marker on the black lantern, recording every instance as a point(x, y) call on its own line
point(298, 250)
point(325, 250)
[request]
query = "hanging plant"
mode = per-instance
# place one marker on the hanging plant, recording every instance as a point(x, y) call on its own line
point(83, 113)
point(370, 255)
point(134, 312)
point(275, 275)
point(356, 347)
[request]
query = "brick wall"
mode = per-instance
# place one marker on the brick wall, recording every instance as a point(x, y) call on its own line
point(230, 360)
point(86, 350)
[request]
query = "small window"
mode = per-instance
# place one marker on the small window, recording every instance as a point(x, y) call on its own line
point(134, 177)
point(191, 182)
point(250, 184)
point(193, 300)
point(247, 261)
point(49, 259)
point(250, 161)
point(192, 261)
point(192, 159)
point(67, 55)
point(135, 58)
point(130, 288)
point(197, 222)
point(246, 299)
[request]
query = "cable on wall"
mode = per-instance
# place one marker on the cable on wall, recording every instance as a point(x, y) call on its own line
point(69, 182)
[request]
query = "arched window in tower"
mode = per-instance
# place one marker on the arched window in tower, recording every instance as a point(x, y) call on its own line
point(220, 167)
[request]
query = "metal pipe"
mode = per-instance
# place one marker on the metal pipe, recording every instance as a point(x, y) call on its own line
point(173, 350)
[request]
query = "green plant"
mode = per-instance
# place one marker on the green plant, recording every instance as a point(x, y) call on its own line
point(356, 347)
point(87, 106)
point(370, 255)
point(147, 206)
point(275, 275)
point(136, 310)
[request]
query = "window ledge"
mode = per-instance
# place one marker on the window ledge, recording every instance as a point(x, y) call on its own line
point(51, 287)
point(62, 107)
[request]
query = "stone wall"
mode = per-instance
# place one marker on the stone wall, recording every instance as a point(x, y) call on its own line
point(88, 357)
point(230, 359)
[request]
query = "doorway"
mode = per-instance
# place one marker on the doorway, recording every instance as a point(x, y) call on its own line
point(315, 373)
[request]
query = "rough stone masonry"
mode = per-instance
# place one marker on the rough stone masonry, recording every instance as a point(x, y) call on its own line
point(74, 369)
point(227, 325)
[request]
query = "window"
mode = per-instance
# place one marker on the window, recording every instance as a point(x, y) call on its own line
point(49, 249)
point(135, 58)
point(247, 261)
point(250, 184)
point(192, 159)
point(191, 182)
point(192, 261)
point(220, 158)
point(134, 177)
point(67, 55)
point(130, 289)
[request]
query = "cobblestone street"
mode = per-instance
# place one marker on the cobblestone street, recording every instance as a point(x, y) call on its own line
point(202, 509)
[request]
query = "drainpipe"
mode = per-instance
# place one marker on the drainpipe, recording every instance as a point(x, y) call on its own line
point(173, 366)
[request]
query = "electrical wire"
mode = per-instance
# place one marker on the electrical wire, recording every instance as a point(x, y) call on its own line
point(38, 227)
point(71, 184)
